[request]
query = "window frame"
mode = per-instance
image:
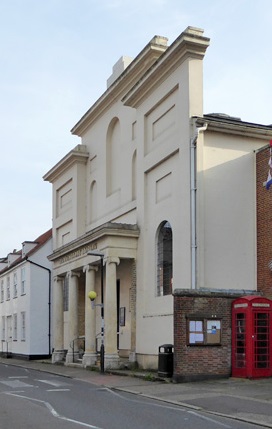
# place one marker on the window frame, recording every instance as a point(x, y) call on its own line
point(23, 281)
point(210, 333)
point(8, 288)
point(15, 327)
point(2, 290)
point(15, 285)
point(23, 326)
point(3, 333)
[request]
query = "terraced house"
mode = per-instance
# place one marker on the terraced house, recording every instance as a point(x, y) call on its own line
point(25, 301)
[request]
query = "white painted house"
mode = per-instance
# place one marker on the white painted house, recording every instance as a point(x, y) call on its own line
point(25, 300)
point(163, 192)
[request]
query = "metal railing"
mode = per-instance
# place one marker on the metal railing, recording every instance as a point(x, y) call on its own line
point(78, 344)
point(5, 349)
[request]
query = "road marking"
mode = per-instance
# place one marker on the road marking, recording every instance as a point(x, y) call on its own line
point(169, 407)
point(209, 419)
point(54, 383)
point(16, 383)
point(54, 412)
point(58, 390)
point(20, 376)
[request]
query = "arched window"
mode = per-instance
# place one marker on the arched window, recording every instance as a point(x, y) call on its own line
point(93, 202)
point(113, 155)
point(134, 176)
point(164, 259)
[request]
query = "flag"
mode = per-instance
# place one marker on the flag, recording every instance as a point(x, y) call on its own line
point(269, 181)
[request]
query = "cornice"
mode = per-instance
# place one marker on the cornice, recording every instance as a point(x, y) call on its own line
point(190, 44)
point(152, 51)
point(86, 241)
point(76, 156)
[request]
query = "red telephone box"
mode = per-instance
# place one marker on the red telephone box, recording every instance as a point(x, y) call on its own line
point(251, 337)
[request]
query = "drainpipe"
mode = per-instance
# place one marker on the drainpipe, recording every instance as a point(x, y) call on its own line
point(193, 187)
point(49, 300)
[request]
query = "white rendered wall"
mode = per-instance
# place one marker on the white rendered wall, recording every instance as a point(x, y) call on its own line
point(227, 219)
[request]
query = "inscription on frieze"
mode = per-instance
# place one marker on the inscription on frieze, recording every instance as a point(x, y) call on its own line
point(82, 251)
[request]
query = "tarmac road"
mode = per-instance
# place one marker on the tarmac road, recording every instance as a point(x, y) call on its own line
point(240, 399)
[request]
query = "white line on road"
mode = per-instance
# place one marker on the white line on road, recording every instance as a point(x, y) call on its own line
point(53, 383)
point(58, 390)
point(169, 407)
point(208, 419)
point(20, 376)
point(54, 412)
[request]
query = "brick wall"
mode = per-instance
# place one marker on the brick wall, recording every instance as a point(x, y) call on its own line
point(195, 362)
point(264, 224)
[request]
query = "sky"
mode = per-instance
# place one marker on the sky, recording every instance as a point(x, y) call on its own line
point(55, 59)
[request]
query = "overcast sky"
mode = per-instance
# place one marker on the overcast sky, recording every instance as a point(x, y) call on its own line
point(55, 58)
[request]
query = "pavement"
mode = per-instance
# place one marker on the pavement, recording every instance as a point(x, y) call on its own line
point(240, 399)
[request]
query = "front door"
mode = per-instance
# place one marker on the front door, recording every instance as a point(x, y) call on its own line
point(9, 334)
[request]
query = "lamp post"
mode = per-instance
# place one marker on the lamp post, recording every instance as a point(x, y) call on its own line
point(102, 347)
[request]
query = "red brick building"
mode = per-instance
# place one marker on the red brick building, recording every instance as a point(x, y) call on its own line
point(264, 223)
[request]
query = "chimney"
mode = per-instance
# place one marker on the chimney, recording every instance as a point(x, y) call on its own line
point(118, 69)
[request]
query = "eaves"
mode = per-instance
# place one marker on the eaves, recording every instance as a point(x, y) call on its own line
point(234, 127)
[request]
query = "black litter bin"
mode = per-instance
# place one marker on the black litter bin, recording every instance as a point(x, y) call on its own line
point(166, 360)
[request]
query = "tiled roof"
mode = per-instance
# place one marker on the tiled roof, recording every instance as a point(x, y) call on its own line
point(39, 242)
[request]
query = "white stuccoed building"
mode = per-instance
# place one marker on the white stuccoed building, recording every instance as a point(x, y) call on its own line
point(25, 300)
point(153, 186)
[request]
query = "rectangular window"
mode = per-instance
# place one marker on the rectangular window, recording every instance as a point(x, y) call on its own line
point(23, 326)
point(15, 291)
point(202, 331)
point(3, 328)
point(15, 327)
point(23, 290)
point(2, 290)
point(8, 288)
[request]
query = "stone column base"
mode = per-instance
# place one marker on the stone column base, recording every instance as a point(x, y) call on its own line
point(89, 359)
point(112, 361)
point(58, 356)
point(72, 357)
point(132, 357)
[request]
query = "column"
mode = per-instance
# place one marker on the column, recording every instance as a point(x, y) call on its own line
point(73, 354)
point(110, 315)
point(58, 353)
point(89, 358)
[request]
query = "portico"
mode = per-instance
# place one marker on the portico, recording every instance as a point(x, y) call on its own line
point(76, 274)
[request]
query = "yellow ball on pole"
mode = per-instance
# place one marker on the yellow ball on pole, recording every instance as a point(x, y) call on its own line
point(92, 295)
